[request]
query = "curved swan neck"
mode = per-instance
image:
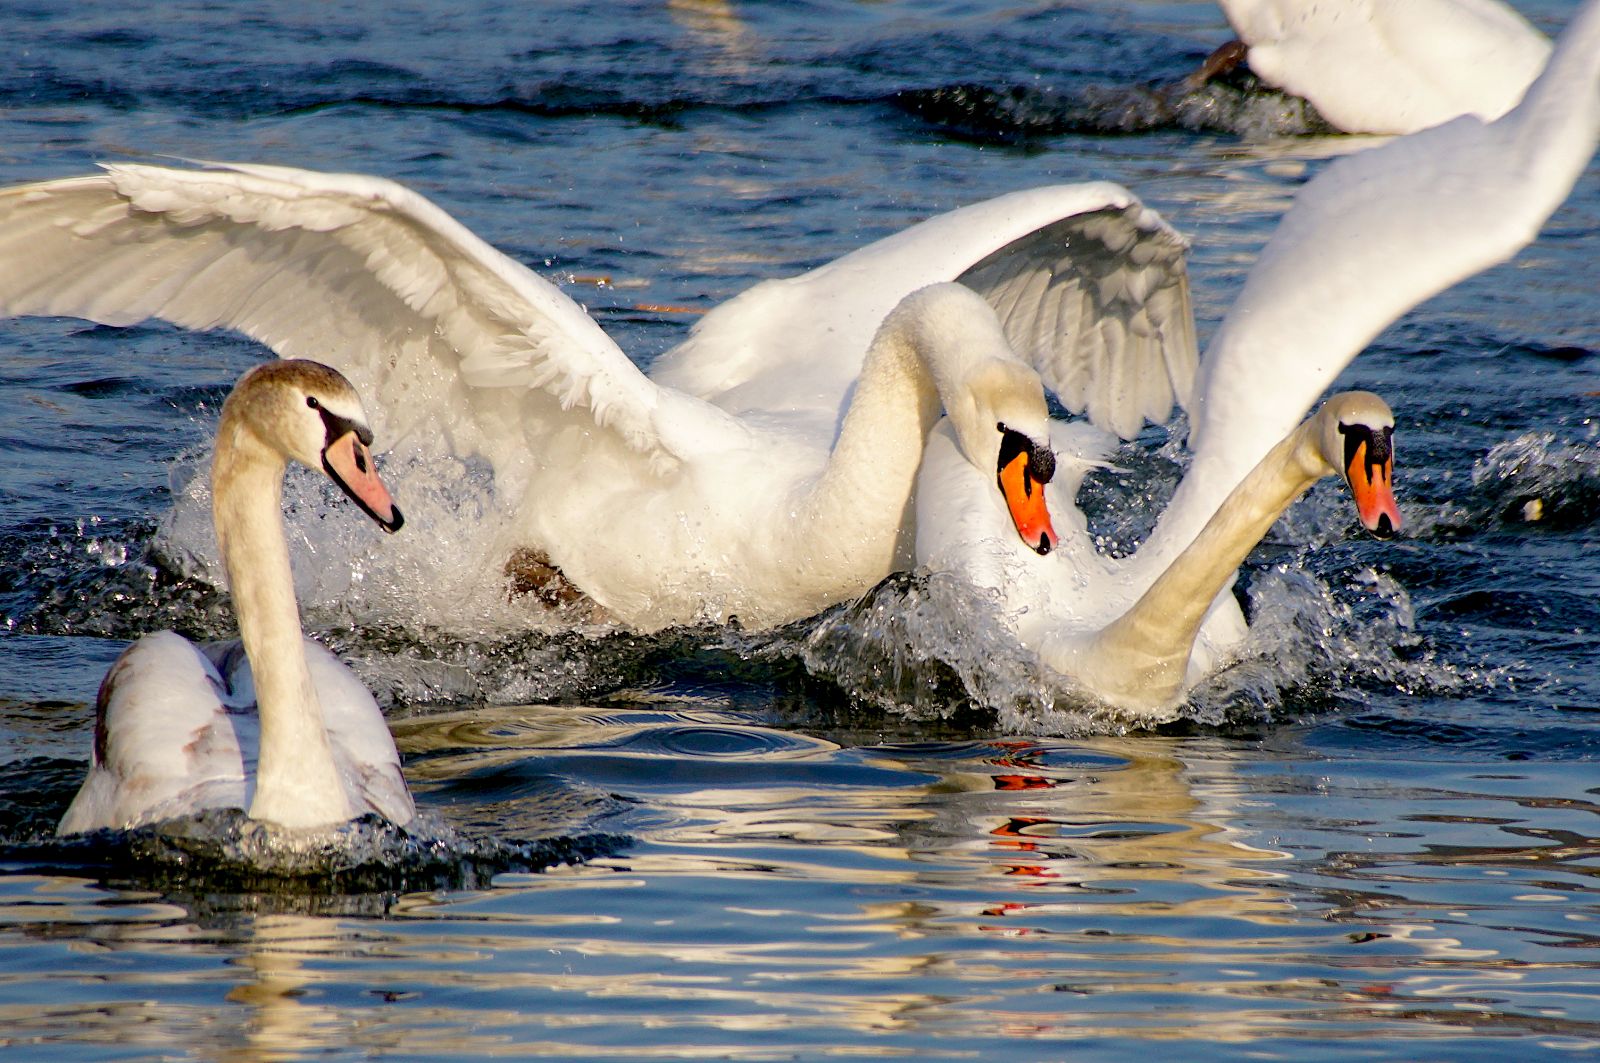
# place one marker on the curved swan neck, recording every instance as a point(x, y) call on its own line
point(941, 347)
point(871, 472)
point(297, 783)
point(1149, 646)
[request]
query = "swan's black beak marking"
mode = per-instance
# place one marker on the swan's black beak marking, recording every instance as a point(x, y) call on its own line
point(1369, 470)
point(348, 463)
point(1024, 469)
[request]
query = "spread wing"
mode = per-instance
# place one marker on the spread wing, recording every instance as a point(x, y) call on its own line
point(1099, 304)
point(355, 271)
point(1370, 237)
point(1090, 286)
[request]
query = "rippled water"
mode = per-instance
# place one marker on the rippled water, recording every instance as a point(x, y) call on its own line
point(866, 834)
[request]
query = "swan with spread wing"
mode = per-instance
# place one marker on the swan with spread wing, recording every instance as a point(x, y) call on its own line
point(763, 471)
point(1370, 237)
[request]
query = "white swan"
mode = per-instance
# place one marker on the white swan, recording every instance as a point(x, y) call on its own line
point(1387, 66)
point(1371, 236)
point(1131, 637)
point(174, 729)
point(766, 470)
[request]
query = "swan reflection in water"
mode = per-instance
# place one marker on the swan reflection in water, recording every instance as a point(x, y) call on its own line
point(949, 847)
point(785, 885)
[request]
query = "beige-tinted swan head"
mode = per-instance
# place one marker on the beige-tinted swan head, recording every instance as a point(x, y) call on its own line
point(310, 413)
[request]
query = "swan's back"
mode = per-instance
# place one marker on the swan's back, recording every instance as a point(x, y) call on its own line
point(176, 733)
point(1392, 66)
point(165, 742)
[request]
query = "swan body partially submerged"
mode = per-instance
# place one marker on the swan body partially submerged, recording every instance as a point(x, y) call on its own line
point(271, 723)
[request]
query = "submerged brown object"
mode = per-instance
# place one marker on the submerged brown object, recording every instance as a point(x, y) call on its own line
point(529, 571)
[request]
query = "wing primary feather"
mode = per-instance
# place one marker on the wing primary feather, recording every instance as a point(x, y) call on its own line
point(1078, 298)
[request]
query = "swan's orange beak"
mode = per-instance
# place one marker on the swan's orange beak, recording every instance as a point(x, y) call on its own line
point(1024, 495)
point(1370, 485)
point(348, 462)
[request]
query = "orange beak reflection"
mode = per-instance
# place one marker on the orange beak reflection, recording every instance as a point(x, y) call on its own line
point(1024, 495)
point(1370, 485)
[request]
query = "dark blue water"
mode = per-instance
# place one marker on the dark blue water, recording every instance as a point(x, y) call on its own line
point(1376, 837)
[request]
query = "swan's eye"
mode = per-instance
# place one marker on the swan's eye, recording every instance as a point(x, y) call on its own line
point(311, 400)
point(1040, 464)
point(1379, 444)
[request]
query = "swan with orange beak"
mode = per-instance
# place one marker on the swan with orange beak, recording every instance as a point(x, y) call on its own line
point(1137, 638)
point(1369, 471)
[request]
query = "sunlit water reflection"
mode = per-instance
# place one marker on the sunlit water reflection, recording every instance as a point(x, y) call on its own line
point(786, 894)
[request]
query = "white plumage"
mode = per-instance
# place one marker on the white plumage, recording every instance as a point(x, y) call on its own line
point(1370, 237)
point(1391, 66)
point(766, 470)
point(271, 723)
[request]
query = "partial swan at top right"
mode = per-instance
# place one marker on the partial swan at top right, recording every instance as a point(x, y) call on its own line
point(1385, 66)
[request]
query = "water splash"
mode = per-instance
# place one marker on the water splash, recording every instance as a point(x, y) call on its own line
point(100, 581)
point(447, 564)
point(930, 646)
point(923, 645)
point(1314, 639)
point(219, 853)
point(412, 666)
point(1537, 478)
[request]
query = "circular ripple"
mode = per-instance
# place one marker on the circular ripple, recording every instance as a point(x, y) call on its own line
point(718, 742)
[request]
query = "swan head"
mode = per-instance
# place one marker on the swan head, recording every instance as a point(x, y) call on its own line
point(994, 401)
point(1357, 440)
point(1023, 468)
point(309, 412)
point(996, 404)
point(1002, 424)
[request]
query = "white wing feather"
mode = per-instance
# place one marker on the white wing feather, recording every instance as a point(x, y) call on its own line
point(1099, 304)
point(448, 333)
point(1392, 66)
point(1369, 238)
point(352, 270)
point(795, 345)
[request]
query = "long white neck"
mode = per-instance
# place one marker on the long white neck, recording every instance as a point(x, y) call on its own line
point(860, 508)
point(297, 784)
point(1142, 657)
